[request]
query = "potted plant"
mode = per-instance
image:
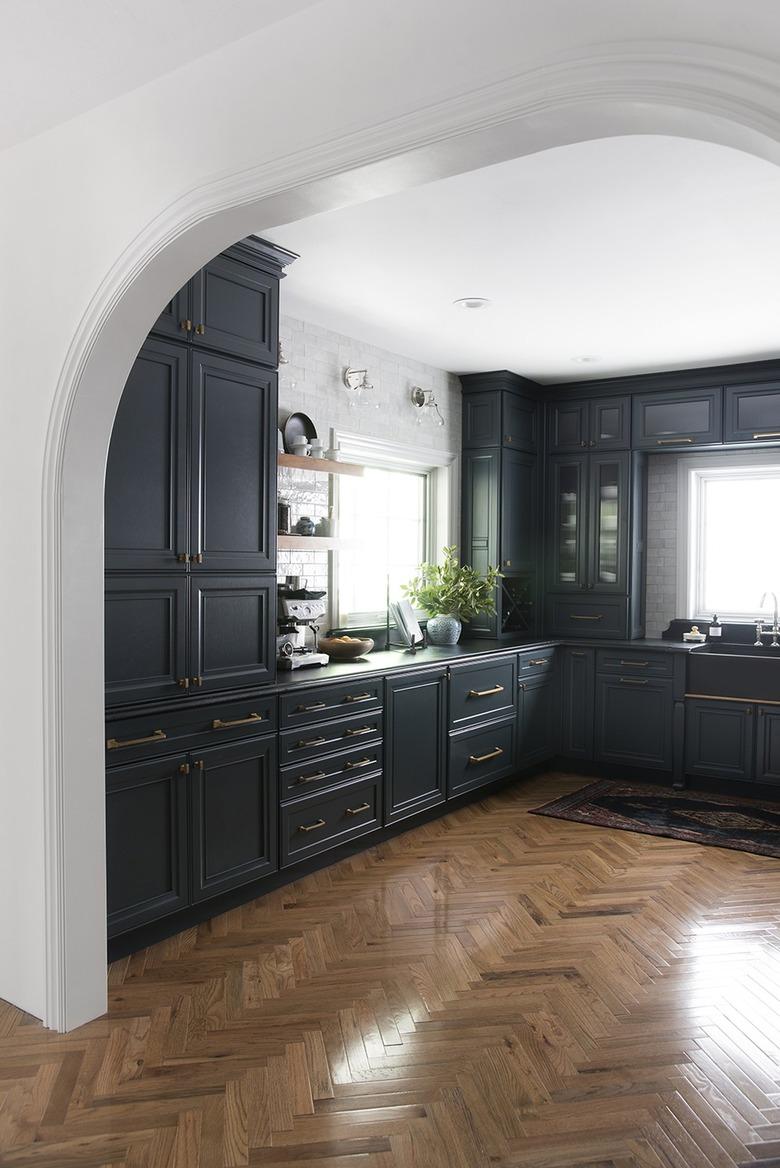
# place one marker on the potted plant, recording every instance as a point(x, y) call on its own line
point(450, 593)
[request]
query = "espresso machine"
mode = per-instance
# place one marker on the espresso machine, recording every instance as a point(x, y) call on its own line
point(298, 611)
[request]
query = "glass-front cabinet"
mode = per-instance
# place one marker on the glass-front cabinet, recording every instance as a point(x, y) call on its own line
point(588, 523)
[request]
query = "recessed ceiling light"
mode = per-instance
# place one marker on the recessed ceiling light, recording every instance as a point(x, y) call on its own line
point(585, 359)
point(472, 302)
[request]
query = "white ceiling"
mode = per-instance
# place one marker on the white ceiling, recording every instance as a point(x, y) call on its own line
point(644, 252)
point(59, 58)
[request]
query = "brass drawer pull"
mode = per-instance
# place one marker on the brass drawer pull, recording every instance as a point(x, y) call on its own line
point(538, 660)
point(477, 758)
point(118, 743)
point(358, 730)
point(308, 709)
point(200, 329)
point(312, 826)
point(579, 616)
point(312, 778)
point(357, 810)
point(673, 441)
point(358, 762)
point(576, 653)
point(633, 681)
point(769, 434)
point(365, 697)
point(304, 742)
point(635, 664)
point(198, 558)
point(218, 724)
point(186, 325)
point(485, 693)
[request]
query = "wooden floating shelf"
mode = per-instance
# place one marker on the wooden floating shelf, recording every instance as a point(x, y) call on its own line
point(314, 543)
point(319, 465)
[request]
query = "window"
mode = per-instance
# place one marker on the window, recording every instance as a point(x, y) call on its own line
point(392, 518)
point(732, 555)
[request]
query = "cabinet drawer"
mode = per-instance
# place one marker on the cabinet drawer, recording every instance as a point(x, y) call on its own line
point(305, 777)
point(323, 821)
point(145, 735)
point(536, 664)
point(305, 706)
point(480, 756)
point(634, 664)
point(600, 616)
point(482, 691)
point(328, 737)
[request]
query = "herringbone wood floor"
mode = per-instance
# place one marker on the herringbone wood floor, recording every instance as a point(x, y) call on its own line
point(491, 989)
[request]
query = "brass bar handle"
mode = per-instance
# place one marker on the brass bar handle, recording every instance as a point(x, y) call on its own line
point(312, 826)
point(358, 762)
point(196, 681)
point(476, 758)
point(186, 325)
point(485, 693)
point(576, 653)
point(579, 616)
point(633, 681)
point(183, 558)
point(353, 733)
point(357, 810)
point(635, 664)
point(218, 723)
point(308, 709)
point(312, 778)
point(538, 660)
point(197, 559)
point(119, 743)
point(364, 697)
point(674, 441)
point(304, 742)
point(769, 434)
point(200, 329)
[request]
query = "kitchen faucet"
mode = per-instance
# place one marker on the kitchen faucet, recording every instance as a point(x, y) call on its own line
point(760, 624)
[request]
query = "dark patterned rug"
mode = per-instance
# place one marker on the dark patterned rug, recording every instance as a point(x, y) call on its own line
point(723, 821)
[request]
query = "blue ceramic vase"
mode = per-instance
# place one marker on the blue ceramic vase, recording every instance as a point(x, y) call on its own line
point(444, 629)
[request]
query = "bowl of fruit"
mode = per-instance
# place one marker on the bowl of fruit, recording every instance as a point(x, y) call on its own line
point(345, 648)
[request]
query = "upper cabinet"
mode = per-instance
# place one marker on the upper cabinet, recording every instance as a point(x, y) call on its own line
point(600, 424)
point(588, 520)
point(232, 304)
point(499, 410)
point(678, 419)
point(752, 412)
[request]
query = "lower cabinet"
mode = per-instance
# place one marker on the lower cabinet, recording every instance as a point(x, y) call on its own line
point(577, 702)
point(147, 842)
point(322, 821)
point(719, 739)
point(415, 743)
point(479, 757)
point(634, 722)
point(538, 718)
point(234, 816)
point(768, 745)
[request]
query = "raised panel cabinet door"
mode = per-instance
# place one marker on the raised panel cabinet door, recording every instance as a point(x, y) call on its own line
point(232, 631)
point(537, 720)
point(719, 739)
point(147, 856)
point(679, 419)
point(146, 475)
point(752, 412)
point(768, 745)
point(634, 722)
point(482, 419)
point(480, 520)
point(567, 523)
point(520, 422)
point(175, 320)
point(519, 511)
point(234, 816)
point(568, 425)
point(415, 744)
point(608, 499)
point(235, 309)
point(233, 465)
point(578, 702)
point(145, 637)
point(610, 423)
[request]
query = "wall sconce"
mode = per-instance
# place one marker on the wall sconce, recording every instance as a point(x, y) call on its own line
point(282, 358)
point(356, 382)
point(424, 401)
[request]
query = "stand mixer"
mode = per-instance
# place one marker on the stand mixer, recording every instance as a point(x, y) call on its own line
point(296, 644)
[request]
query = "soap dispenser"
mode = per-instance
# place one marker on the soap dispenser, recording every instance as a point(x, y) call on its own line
point(716, 629)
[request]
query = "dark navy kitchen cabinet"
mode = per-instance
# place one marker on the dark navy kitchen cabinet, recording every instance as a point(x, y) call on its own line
point(520, 422)
point(146, 842)
point(146, 474)
point(719, 738)
point(768, 744)
point(415, 743)
point(519, 511)
point(232, 630)
point(235, 308)
point(634, 721)
point(233, 465)
point(577, 702)
point(175, 320)
point(601, 424)
point(567, 510)
point(480, 520)
point(678, 419)
point(234, 815)
point(145, 637)
point(482, 419)
point(588, 520)
point(497, 413)
point(537, 719)
point(752, 412)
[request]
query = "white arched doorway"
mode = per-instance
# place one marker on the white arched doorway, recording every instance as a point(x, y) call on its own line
point(700, 93)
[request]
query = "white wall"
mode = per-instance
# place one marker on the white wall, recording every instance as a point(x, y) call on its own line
point(105, 216)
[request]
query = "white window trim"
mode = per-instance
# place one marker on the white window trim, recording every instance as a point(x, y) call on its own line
point(443, 503)
point(691, 472)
